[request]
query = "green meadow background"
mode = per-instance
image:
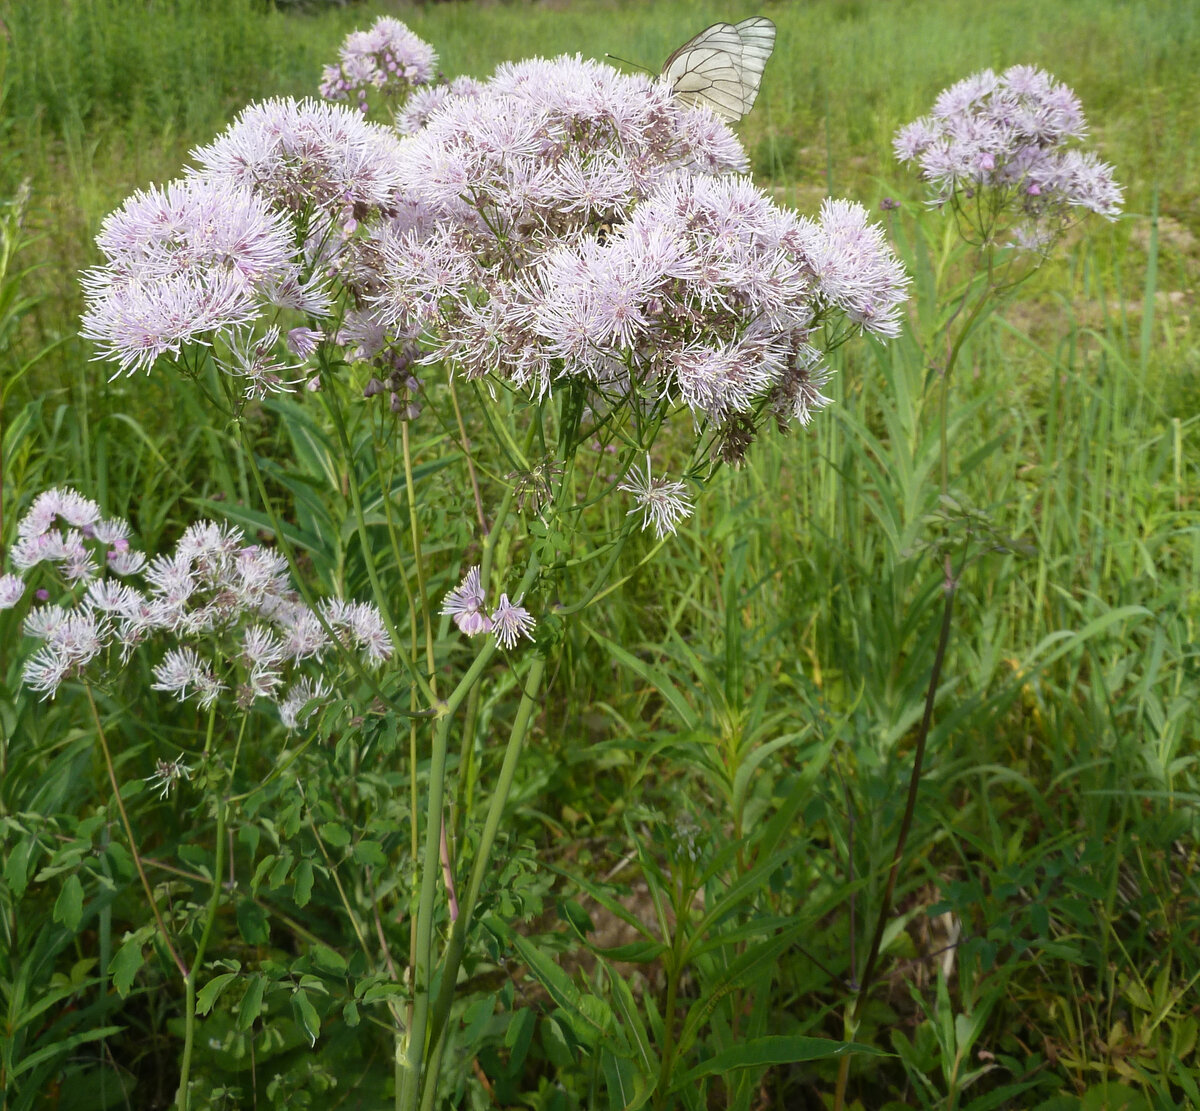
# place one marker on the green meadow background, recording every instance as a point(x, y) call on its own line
point(1050, 897)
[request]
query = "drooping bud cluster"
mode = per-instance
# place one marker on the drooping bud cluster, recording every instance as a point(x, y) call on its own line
point(226, 606)
point(997, 147)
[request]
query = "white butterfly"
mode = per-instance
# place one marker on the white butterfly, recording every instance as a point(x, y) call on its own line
point(722, 66)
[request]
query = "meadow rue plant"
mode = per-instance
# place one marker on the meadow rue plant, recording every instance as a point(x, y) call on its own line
point(387, 58)
point(582, 252)
point(996, 149)
point(236, 624)
point(995, 154)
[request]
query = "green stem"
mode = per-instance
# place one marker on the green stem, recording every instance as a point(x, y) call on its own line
point(414, 525)
point(853, 1019)
point(673, 975)
point(431, 865)
point(133, 849)
point(189, 983)
point(298, 580)
point(491, 826)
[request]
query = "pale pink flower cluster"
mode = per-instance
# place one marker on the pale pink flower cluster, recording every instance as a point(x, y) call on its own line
point(467, 605)
point(258, 228)
point(713, 294)
point(587, 225)
point(543, 156)
point(423, 102)
point(1001, 143)
point(387, 58)
point(228, 606)
point(200, 257)
point(309, 159)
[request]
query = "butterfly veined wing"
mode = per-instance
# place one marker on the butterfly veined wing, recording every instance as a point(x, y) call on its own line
point(722, 66)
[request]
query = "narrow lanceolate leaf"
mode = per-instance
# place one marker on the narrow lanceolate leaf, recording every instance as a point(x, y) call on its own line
point(656, 677)
point(556, 982)
point(779, 1050)
point(64, 1047)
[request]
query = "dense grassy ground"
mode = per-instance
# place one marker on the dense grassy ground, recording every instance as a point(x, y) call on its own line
point(1050, 895)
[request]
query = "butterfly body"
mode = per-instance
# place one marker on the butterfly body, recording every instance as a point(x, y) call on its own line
point(722, 66)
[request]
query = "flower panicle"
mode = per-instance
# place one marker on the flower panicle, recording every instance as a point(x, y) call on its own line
point(227, 605)
point(1009, 138)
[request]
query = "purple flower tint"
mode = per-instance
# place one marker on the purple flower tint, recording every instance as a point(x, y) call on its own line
point(48, 506)
point(510, 621)
point(166, 774)
point(465, 603)
point(291, 706)
point(183, 672)
point(252, 359)
point(388, 57)
point(1009, 135)
point(12, 589)
point(199, 258)
point(423, 102)
point(710, 292)
point(302, 342)
point(301, 155)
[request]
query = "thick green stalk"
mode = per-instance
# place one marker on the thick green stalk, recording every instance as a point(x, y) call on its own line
point(431, 865)
point(430, 868)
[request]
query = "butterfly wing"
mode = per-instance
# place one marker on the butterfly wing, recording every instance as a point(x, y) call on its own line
point(722, 67)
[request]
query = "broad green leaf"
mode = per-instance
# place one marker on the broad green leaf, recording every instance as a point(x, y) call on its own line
point(251, 1005)
point(302, 883)
point(16, 867)
point(329, 960)
point(252, 922)
point(517, 1038)
point(335, 835)
point(369, 853)
point(68, 908)
point(126, 964)
point(207, 995)
point(307, 1014)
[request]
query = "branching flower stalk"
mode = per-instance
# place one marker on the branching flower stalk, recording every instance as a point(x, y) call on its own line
point(467, 240)
point(996, 152)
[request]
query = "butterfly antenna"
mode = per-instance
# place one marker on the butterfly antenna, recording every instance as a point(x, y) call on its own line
point(627, 62)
